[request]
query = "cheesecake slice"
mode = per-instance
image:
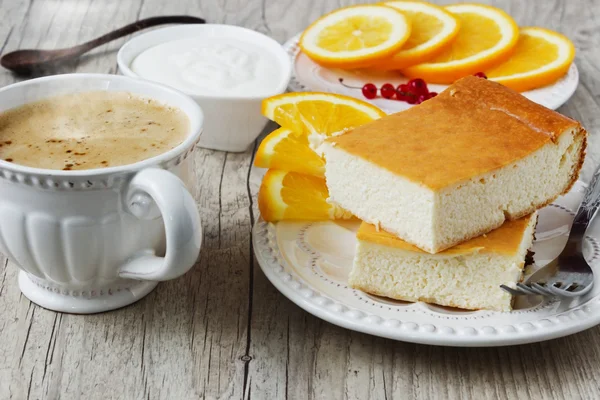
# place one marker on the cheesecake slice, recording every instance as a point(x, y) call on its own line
point(456, 166)
point(466, 276)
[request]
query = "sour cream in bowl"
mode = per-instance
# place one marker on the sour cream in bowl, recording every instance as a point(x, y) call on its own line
point(227, 69)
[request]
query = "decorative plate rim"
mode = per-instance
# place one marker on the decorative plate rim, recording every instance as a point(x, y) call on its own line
point(293, 49)
point(272, 263)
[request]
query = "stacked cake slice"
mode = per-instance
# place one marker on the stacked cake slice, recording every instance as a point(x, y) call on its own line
point(467, 275)
point(431, 180)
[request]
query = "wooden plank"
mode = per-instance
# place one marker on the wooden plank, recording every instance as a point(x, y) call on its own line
point(14, 14)
point(223, 331)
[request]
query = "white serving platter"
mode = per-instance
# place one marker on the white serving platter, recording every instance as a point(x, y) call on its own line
point(309, 263)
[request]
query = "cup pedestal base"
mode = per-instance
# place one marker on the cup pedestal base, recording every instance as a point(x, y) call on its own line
point(86, 303)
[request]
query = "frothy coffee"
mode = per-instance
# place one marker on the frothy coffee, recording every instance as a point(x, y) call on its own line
point(89, 130)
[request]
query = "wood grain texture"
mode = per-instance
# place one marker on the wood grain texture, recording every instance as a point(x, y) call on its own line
point(222, 330)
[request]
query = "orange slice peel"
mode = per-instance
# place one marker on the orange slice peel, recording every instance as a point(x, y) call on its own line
point(355, 36)
point(486, 38)
point(285, 150)
point(540, 58)
point(319, 115)
point(432, 30)
point(287, 195)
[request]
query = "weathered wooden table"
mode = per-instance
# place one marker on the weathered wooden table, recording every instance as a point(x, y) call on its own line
point(222, 330)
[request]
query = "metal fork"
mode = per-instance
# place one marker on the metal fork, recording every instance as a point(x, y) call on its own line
point(569, 275)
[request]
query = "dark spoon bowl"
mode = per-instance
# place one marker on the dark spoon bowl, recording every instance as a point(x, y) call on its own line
point(24, 62)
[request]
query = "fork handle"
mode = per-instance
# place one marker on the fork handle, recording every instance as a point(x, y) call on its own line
point(587, 209)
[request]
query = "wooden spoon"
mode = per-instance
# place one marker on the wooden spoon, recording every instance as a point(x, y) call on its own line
point(27, 61)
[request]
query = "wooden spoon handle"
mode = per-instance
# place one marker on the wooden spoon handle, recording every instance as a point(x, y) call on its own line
point(134, 27)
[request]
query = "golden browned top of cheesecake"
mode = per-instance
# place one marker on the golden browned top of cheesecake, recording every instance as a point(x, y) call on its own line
point(473, 127)
point(504, 240)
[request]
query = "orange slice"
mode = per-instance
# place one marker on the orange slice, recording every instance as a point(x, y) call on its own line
point(285, 150)
point(355, 36)
point(295, 196)
point(319, 115)
point(540, 58)
point(432, 30)
point(486, 38)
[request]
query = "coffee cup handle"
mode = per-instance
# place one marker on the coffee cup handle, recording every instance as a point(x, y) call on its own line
point(181, 222)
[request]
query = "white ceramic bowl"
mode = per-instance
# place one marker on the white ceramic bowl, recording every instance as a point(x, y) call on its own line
point(231, 123)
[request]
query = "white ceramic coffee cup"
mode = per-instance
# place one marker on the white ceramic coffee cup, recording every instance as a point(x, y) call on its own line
point(87, 240)
point(232, 122)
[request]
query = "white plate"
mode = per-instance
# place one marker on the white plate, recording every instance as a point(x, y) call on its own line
point(310, 76)
point(309, 263)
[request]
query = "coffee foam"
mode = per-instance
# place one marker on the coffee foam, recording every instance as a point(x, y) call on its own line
point(90, 130)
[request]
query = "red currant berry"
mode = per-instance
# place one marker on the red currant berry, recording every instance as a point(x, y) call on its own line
point(418, 86)
point(480, 75)
point(422, 98)
point(411, 98)
point(431, 95)
point(369, 91)
point(402, 93)
point(406, 88)
point(388, 91)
